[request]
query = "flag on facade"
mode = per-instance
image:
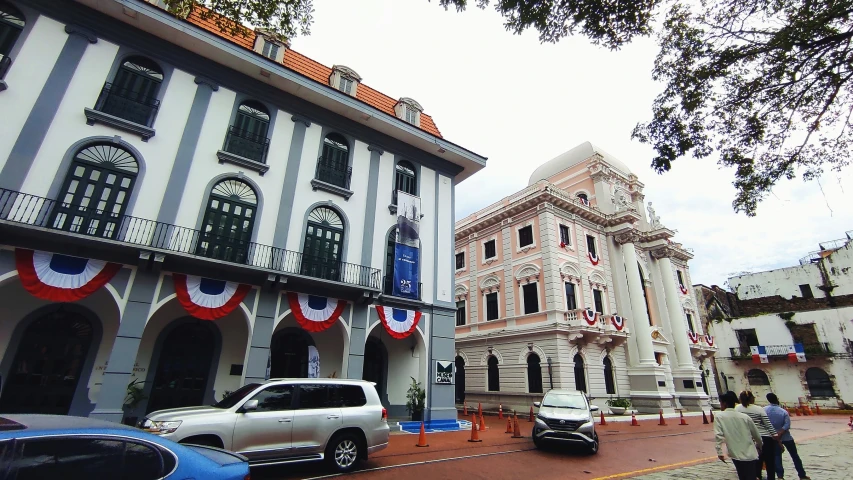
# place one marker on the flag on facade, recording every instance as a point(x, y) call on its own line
point(796, 353)
point(407, 249)
point(759, 354)
point(61, 278)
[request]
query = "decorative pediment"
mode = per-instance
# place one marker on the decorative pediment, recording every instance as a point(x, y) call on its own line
point(688, 305)
point(570, 272)
point(527, 273)
point(597, 281)
point(461, 292)
point(658, 336)
point(490, 284)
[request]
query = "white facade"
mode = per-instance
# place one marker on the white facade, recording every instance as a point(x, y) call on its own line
point(221, 172)
point(811, 305)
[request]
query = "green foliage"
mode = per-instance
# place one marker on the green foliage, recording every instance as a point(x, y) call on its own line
point(281, 19)
point(786, 316)
point(135, 393)
point(415, 397)
point(619, 402)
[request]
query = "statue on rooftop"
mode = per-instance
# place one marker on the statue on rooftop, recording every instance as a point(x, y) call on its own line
point(654, 220)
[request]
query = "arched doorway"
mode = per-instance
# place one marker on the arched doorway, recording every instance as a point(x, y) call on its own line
point(48, 364)
point(819, 383)
point(494, 379)
point(376, 366)
point(534, 373)
point(323, 247)
point(289, 353)
point(229, 221)
point(609, 384)
point(460, 379)
point(183, 366)
point(580, 374)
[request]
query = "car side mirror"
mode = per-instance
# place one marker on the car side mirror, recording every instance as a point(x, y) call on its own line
point(593, 408)
point(250, 405)
point(537, 404)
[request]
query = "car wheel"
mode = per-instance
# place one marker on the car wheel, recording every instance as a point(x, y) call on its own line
point(342, 453)
point(593, 448)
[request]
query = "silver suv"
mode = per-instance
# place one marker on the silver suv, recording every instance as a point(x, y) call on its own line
point(285, 420)
point(565, 416)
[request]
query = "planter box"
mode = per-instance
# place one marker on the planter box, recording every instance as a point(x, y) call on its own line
point(617, 410)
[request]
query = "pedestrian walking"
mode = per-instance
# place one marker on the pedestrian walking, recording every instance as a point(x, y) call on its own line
point(769, 437)
point(738, 432)
point(781, 421)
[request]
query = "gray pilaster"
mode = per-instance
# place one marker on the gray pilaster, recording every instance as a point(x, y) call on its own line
point(358, 337)
point(126, 345)
point(288, 187)
point(38, 121)
point(370, 207)
point(186, 151)
point(550, 267)
point(259, 347)
point(509, 280)
point(473, 286)
point(442, 403)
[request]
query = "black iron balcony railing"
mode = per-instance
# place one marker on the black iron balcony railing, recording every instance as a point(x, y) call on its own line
point(334, 172)
point(127, 104)
point(41, 212)
point(388, 288)
point(246, 144)
point(5, 64)
point(810, 349)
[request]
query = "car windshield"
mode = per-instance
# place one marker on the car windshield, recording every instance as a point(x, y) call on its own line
point(563, 400)
point(237, 395)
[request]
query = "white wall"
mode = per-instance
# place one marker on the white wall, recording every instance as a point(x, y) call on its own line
point(445, 237)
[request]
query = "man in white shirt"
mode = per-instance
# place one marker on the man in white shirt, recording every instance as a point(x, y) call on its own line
point(743, 442)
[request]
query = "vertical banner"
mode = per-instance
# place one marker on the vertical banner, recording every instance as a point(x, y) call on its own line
point(313, 362)
point(406, 253)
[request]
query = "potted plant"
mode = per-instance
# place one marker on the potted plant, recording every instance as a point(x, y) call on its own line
point(415, 398)
point(618, 405)
point(135, 394)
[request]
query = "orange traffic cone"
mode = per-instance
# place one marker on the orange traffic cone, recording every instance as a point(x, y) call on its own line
point(500, 412)
point(530, 418)
point(465, 410)
point(683, 421)
point(422, 437)
point(798, 411)
point(712, 416)
point(634, 422)
point(704, 418)
point(474, 436)
point(482, 424)
point(817, 409)
point(808, 410)
point(662, 422)
point(603, 421)
point(508, 425)
point(516, 433)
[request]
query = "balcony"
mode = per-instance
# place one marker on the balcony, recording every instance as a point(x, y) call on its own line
point(811, 350)
point(103, 231)
point(245, 149)
point(333, 176)
point(603, 332)
point(124, 109)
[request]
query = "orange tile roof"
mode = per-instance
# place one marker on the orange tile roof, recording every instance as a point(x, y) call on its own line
point(312, 69)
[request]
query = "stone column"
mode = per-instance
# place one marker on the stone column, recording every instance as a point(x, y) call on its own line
point(357, 340)
point(673, 305)
point(259, 346)
point(123, 355)
point(640, 320)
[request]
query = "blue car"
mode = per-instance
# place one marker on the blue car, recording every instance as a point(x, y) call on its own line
point(68, 448)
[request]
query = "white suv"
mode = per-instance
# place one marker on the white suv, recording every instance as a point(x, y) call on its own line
point(285, 420)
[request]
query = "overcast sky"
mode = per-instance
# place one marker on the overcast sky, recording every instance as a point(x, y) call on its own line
point(521, 103)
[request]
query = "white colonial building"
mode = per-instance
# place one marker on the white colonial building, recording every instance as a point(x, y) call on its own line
point(772, 316)
point(190, 211)
point(568, 284)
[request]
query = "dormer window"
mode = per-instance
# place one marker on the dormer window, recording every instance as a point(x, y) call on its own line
point(409, 110)
point(270, 50)
point(268, 46)
point(344, 79)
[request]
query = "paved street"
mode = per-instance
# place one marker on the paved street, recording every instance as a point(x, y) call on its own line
point(625, 452)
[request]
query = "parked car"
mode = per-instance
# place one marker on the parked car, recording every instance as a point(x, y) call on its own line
point(38, 447)
point(285, 420)
point(565, 416)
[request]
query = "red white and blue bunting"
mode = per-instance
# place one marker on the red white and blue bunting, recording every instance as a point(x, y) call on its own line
point(208, 299)
point(709, 340)
point(618, 322)
point(683, 289)
point(593, 259)
point(397, 322)
point(61, 278)
point(314, 313)
point(694, 337)
point(591, 316)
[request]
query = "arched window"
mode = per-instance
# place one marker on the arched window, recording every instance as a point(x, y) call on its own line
point(645, 294)
point(226, 231)
point(12, 23)
point(757, 377)
point(494, 375)
point(820, 385)
point(405, 179)
point(460, 379)
point(133, 93)
point(333, 167)
point(96, 190)
point(247, 138)
point(580, 373)
point(534, 374)
point(324, 237)
point(609, 382)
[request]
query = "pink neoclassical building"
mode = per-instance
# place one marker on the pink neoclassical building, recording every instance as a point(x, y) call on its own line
point(570, 283)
